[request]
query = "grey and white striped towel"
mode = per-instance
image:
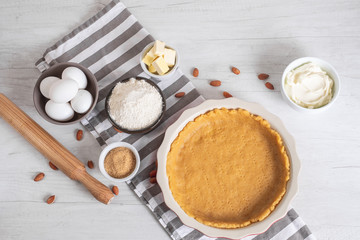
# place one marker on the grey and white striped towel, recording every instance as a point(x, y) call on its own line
point(109, 45)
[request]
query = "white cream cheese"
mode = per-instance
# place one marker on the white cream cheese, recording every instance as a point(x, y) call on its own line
point(309, 86)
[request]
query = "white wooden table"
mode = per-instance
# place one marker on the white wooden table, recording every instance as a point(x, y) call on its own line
point(255, 36)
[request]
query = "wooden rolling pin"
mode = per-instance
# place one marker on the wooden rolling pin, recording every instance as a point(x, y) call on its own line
point(52, 149)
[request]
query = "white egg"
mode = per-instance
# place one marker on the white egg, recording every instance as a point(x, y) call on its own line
point(82, 102)
point(63, 91)
point(46, 84)
point(76, 75)
point(59, 111)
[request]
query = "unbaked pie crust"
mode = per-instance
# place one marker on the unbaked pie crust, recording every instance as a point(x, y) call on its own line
point(228, 168)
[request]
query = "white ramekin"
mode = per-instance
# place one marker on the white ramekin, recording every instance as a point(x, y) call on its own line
point(327, 67)
point(156, 76)
point(107, 149)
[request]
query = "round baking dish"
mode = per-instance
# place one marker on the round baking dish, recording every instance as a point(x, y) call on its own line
point(231, 103)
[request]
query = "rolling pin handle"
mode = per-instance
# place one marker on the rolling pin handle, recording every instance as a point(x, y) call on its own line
point(52, 149)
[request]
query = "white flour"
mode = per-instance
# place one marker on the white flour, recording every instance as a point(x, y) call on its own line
point(135, 104)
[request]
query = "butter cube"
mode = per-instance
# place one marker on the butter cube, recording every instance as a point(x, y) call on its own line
point(152, 69)
point(160, 66)
point(169, 56)
point(151, 53)
point(148, 59)
point(159, 48)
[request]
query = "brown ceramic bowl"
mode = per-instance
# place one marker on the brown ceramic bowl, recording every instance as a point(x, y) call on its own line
point(56, 70)
point(144, 130)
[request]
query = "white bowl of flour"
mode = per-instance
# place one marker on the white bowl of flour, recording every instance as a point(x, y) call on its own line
point(135, 105)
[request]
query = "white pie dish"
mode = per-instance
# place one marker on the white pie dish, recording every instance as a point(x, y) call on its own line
point(189, 115)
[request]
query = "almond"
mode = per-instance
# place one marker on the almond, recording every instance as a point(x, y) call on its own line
point(180, 94)
point(235, 70)
point(269, 86)
point(39, 177)
point(79, 134)
point(263, 76)
point(227, 95)
point(215, 83)
point(53, 166)
point(90, 164)
point(115, 190)
point(153, 180)
point(196, 72)
point(51, 199)
point(153, 173)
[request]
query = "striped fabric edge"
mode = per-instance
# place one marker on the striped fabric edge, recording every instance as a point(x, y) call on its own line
point(105, 12)
point(278, 230)
point(132, 187)
point(42, 64)
point(310, 237)
point(115, 24)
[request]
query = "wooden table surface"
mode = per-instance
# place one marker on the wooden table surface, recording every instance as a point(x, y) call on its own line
point(255, 36)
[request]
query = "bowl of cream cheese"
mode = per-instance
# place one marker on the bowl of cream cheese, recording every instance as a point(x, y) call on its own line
point(310, 84)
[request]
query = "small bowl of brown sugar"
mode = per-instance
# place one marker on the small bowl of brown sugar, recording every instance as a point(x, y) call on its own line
point(119, 161)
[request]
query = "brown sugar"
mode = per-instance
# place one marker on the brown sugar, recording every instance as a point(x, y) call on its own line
point(120, 162)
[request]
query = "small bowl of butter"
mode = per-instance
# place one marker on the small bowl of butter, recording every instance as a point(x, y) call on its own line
point(310, 84)
point(159, 60)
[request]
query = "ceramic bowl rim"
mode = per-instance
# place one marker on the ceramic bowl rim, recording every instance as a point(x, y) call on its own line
point(156, 76)
point(107, 149)
point(38, 97)
point(144, 130)
point(323, 64)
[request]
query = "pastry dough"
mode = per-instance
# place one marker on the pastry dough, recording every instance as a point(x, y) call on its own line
point(228, 168)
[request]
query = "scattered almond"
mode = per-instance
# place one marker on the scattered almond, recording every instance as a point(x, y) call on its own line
point(235, 70)
point(196, 72)
point(269, 86)
point(263, 76)
point(53, 166)
point(79, 134)
point(153, 173)
point(90, 164)
point(39, 177)
point(180, 94)
point(115, 190)
point(153, 180)
point(227, 95)
point(51, 199)
point(215, 83)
